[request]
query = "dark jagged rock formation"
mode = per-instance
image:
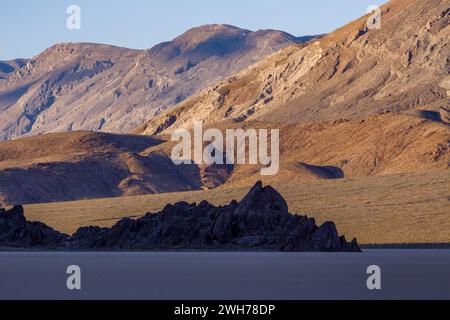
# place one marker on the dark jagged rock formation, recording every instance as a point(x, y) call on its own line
point(261, 221)
point(16, 231)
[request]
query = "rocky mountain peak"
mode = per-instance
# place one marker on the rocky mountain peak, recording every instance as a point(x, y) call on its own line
point(211, 29)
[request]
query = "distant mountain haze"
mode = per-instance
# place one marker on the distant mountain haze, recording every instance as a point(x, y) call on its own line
point(98, 87)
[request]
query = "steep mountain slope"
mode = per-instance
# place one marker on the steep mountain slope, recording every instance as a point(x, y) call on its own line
point(351, 73)
point(8, 67)
point(104, 88)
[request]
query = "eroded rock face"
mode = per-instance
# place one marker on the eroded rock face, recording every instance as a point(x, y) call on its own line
point(261, 221)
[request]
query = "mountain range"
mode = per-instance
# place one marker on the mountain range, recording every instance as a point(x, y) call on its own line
point(97, 87)
point(351, 73)
point(355, 102)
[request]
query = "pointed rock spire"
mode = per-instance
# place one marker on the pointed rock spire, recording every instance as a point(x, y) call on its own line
point(260, 198)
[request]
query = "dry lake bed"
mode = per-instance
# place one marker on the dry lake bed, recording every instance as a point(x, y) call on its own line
point(405, 274)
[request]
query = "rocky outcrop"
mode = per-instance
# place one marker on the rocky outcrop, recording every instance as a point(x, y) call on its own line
point(261, 221)
point(17, 232)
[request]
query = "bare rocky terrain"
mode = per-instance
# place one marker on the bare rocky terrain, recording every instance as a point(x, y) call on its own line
point(354, 104)
point(261, 221)
point(9, 67)
point(97, 87)
point(351, 73)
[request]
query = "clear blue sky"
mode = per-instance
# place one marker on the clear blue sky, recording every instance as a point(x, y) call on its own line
point(27, 27)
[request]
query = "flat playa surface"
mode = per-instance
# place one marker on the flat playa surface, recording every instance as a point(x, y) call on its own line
point(405, 274)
